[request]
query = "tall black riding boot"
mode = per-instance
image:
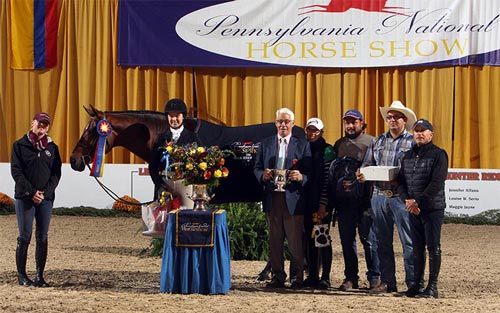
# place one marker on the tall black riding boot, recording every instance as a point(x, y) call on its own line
point(41, 259)
point(431, 291)
point(418, 270)
point(21, 256)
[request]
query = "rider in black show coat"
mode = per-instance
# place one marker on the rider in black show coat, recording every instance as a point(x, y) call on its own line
point(175, 112)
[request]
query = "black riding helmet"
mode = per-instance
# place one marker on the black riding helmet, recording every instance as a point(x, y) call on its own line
point(175, 105)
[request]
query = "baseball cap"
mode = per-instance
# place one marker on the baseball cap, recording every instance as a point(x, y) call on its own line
point(355, 114)
point(42, 117)
point(425, 124)
point(316, 122)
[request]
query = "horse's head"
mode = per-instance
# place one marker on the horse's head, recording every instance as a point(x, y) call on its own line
point(133, 130)
point(84, 150)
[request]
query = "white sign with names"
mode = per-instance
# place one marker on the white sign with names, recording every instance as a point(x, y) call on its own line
point(471, 191)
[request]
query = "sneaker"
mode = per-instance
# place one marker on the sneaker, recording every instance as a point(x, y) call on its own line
point(348, 285)
point(275, 283)
point(429, 292)
point(414, 290)
point(324, 284)
point(383, 288)
point(374, 283)
point(263, 276)
point(311, 282)
point(297, 284)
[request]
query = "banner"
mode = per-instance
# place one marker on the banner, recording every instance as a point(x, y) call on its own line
point(33, 34)
point(311, 33)
point(194, 228)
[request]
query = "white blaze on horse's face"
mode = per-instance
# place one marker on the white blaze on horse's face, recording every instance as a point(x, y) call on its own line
point(175, 119)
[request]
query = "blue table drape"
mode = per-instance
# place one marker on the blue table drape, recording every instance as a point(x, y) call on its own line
point(204, 270)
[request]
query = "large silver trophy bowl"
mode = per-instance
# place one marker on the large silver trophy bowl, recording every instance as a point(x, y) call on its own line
point(280, 179)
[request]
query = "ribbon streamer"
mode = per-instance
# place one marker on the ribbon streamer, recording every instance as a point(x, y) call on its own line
point(166, 158)
point(104, 130)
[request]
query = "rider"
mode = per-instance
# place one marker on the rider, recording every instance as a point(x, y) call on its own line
point(175, 112)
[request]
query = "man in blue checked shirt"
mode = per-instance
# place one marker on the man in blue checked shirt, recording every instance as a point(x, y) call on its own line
point(388, 209)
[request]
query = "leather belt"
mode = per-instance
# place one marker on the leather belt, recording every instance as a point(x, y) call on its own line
point(387, 193)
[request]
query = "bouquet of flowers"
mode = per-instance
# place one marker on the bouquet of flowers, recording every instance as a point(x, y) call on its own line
point(197, 164)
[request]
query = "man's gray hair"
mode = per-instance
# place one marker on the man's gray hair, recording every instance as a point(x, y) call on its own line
point(285, 111)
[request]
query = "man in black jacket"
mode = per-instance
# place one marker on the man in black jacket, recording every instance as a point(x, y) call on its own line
point(175, 112)
point(421, 185)
point(36, 168)
point(355, 212)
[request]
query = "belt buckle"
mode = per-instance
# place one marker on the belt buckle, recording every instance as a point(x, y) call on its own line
point(388, 193)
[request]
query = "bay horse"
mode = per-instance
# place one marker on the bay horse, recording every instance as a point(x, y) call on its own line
point(133, 130)
point(136, 131)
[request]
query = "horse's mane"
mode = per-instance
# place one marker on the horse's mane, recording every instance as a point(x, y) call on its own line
point(144, 112)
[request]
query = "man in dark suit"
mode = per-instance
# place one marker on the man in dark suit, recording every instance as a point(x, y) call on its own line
point(175, 112)
point(284, 210)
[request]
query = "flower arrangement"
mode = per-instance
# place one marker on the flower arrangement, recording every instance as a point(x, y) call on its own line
point(197, 164)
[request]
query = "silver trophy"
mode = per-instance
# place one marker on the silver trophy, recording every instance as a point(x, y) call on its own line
point(280, 179)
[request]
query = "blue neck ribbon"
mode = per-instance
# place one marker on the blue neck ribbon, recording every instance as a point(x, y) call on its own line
point(166, 158)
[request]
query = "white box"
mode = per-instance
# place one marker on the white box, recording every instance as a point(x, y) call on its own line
point(380, 173)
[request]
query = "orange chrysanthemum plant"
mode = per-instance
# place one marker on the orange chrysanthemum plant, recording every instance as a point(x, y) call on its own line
point(6, 204)
point(127, 204)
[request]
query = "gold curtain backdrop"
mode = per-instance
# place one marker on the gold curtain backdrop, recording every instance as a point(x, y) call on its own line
point(454, 99)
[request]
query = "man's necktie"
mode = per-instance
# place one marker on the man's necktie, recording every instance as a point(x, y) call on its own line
point(281, 154)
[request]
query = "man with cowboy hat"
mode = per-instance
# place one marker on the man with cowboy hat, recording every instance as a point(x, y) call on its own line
point(388, 209)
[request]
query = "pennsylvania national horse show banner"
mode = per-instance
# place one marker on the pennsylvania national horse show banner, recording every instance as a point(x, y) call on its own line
point(312, 33)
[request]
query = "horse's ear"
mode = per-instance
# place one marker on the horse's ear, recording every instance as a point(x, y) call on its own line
point(95, 112)
point(87, 110)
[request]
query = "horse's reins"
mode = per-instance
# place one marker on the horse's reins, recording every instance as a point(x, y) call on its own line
point(110, 192)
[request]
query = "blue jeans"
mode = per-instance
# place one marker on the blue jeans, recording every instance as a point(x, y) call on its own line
point(386, 213)
point(26, 211)
point(348, 220)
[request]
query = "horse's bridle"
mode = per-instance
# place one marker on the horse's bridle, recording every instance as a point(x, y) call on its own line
point(89, 147)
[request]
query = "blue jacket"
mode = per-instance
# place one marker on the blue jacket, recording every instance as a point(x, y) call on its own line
point(299, 150)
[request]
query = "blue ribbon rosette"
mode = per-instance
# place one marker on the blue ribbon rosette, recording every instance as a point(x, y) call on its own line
point(104, 129)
